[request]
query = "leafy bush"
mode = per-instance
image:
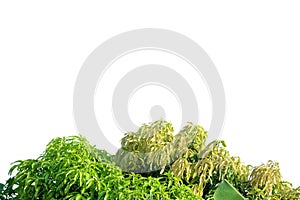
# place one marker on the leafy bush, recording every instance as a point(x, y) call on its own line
point(152, 163)
point(67, 169)
point(201, 167)
point(70, 168)
point(154, 147)
point(265, 182)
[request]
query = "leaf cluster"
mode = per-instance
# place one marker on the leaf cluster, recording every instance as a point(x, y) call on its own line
point(70, 168)
point(154, 147)
point(202, 167)
point(152, 163)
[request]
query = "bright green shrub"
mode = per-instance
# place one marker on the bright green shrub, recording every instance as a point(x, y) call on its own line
point(152, 163)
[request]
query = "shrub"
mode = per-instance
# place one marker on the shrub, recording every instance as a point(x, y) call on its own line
point(152, 163)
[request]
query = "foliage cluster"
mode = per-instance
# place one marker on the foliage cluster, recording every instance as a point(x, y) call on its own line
point(70, 168)
point(201, 167)
point(152, 163)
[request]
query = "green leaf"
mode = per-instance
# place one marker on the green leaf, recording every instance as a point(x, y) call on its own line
point(226, 191)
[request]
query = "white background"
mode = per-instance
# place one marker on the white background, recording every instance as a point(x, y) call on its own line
point(255, 46)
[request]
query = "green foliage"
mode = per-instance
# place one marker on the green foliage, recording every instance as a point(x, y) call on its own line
point(152, 163)
point(149, 137)
point(167, 186)
point(70, 168)
point(143, 151)
point(67, 169)
point(211, 166)
point(265, 182)
point(154, 147)
point(226, 191)
point(201, 167)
